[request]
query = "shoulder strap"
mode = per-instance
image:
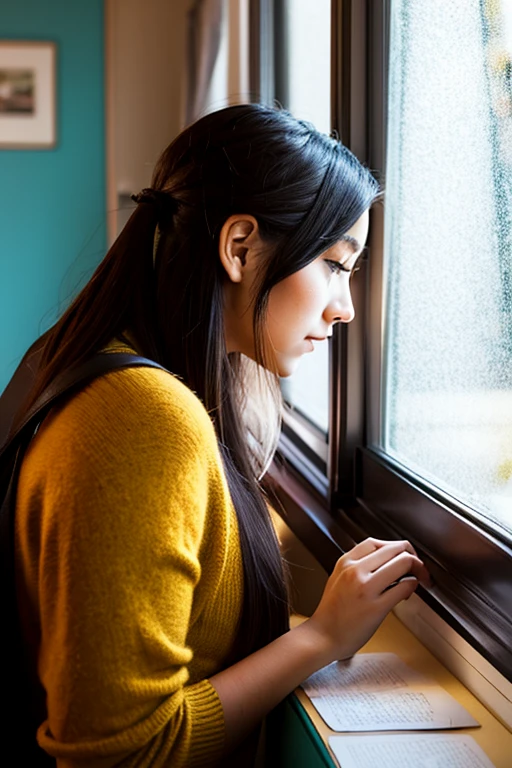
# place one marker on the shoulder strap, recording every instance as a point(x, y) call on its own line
point(71, 380)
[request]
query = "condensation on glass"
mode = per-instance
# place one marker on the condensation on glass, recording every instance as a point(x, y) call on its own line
point(308, 28)
point(448, 250)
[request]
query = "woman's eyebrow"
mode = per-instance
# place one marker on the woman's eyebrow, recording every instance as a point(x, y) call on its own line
point(356, 249)
point(356, 245)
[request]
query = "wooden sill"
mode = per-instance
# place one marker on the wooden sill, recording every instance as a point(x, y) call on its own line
point(394, 637)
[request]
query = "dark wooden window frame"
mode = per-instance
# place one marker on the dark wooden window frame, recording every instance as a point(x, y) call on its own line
point(365, 492)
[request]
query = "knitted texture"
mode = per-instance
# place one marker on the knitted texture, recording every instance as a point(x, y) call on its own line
point(130, 574)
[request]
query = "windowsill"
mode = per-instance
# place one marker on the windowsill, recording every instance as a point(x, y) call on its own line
point(414, 631)
point(394, 637)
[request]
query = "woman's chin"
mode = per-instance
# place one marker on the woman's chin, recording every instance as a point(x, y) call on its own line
point(288, 365)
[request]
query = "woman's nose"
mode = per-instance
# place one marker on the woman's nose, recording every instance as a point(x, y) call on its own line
point(340, 308)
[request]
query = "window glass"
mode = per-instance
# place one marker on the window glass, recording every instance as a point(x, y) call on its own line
point(308, 48)
point(447, 397)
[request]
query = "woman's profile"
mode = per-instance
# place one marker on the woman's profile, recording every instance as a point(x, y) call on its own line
point(151, 589)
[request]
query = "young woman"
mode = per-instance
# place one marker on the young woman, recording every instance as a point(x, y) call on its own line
point(151, 588)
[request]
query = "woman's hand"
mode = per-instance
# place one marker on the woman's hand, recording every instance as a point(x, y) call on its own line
point(363, 587)
point(358, 595)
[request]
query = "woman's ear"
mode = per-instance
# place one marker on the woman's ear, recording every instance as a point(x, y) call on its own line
point(238, 241)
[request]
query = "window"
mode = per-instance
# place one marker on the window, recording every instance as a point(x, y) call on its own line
point(419, 439)
point(447, 401)
point(439, 407)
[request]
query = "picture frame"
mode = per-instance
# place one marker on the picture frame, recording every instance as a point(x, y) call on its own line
point(27, 94)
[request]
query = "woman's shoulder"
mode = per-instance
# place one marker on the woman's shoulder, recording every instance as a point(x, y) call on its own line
point(149, 386)
point(132, 407)
point(134, 436)
point(153, 393)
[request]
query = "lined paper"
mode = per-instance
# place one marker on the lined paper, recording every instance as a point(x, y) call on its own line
point(404, 751)
point(379, 692)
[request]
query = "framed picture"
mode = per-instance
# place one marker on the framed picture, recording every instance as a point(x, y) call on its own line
point(27, 95)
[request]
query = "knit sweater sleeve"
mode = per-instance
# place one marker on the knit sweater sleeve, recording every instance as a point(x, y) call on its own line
point(127, 482)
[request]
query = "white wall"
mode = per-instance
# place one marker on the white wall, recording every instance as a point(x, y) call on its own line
point(145, 55)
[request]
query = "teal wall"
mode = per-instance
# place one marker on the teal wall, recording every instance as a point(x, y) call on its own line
point(52, 202)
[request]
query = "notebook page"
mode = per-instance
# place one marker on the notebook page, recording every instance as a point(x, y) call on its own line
point(420, 751)
point(375, 692)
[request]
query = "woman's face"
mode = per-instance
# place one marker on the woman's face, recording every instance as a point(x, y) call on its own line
point(304, 306)
point(301, 308)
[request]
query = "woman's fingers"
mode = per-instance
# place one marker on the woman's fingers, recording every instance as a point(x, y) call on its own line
point(397, 592)
point(383, 563)
point(360, 550)
point(367, 547)
point(401, 565)
point(384, 554)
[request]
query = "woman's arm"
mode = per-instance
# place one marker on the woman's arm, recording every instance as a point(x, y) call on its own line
point(356, 599)
point(129, 563)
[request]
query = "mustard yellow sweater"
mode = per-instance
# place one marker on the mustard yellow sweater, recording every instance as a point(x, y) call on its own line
point(130, 572)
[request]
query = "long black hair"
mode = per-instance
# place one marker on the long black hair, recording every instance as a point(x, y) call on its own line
point(305, 190)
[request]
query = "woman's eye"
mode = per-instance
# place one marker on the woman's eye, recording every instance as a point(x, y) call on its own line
point(336, 267)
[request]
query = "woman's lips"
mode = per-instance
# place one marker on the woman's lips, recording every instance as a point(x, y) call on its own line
point(309, 341)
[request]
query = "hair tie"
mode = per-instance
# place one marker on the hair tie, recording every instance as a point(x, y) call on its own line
point(166, 205)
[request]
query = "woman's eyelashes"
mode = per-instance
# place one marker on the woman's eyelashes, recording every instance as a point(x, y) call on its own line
point(336, 266)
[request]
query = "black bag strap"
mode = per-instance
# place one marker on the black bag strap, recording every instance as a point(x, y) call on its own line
point(72, 380)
